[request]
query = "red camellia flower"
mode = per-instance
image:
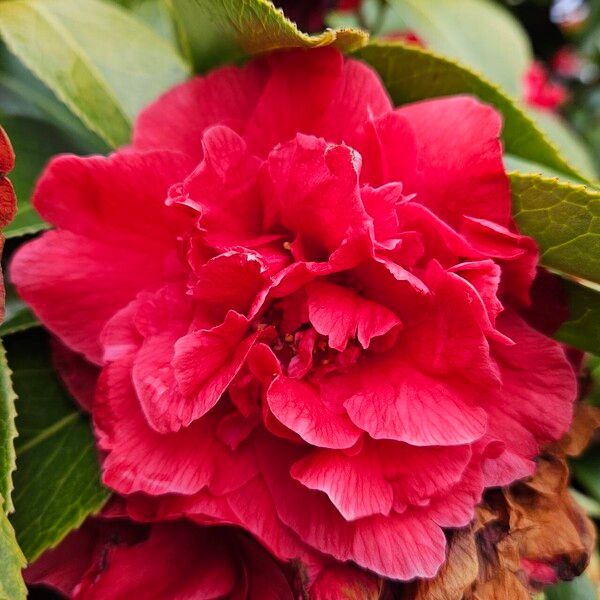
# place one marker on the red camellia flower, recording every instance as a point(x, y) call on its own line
point(540, 91)
point(113, 558)
point(305, 306)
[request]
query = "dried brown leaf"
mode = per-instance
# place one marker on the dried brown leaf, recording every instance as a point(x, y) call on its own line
point(585, 422)
point(458, 573)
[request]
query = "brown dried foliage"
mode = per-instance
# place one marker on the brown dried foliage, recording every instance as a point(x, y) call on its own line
point(524, 536)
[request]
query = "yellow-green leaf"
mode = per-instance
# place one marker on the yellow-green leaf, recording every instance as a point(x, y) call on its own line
point(8, 433)
point(101, 61)
point(12, 561)
point(254, 27)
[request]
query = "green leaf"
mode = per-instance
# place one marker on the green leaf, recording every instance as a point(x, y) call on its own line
point(12, 561)
point(200, 38)
point(155, 14)
point(34, 143)
point(580, 588)
point(564, 219)
point(411, 73)
point(582, 328)
point(57, 483)
point(475, 32)
point(18, 316)
point(21, 94)
point(252, 26)
point(8, 433)
point(102, 62)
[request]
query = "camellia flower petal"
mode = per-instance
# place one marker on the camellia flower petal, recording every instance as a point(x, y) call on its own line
point(304, 303)
point(8, 201)
point(111, 556)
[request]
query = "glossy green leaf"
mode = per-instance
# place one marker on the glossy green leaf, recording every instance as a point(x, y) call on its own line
point(102, 62)
point(564, 219)
point(411, 73)
point(475, 32)
point(251, 26)
point(34, 143)
point(17, 315)
point(580, 588)
point(12, 561)
point(8, 433)
point(57, 483)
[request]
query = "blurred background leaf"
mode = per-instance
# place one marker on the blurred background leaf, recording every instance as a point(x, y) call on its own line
point(100, 60)
point(580, 588)
point(461, 29)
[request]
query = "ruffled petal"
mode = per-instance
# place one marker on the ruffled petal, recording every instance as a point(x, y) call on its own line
point(177, 560)
point(535, 404)
point(389, 150)
point(139, 459)
point(119, 199)
point(312, 190)
point(178, 119)
point(230, 281)
point(299, 90)
point(342, 315)
point(397, 546)
point(459, 159)
point(517, 255)
point(392, 399)
point(97, 278)
point(222, 190)
point(205, 363)
point(301, 408)
point(353, 482)
point(342, 582)
point(115, 239)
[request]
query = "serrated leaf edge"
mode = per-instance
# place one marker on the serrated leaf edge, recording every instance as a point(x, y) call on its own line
point(6, 384)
